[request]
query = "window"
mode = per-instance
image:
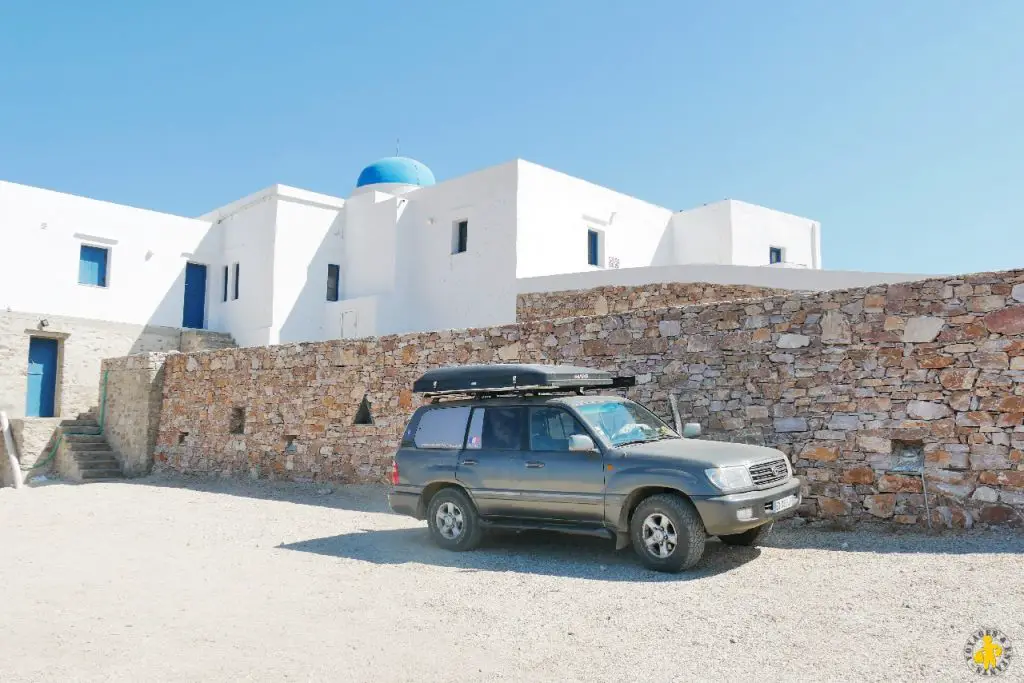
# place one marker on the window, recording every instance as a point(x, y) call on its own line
point(550, 429)
point(774, 254)
point(460, 236)
point(234, 294)
point(236, 424)
point(442, 428)
point(333, 276)
point(496, 429)
point(623, 421)
point(363, 414)
point(92, 266)
point(225, 283)
point(594, 247)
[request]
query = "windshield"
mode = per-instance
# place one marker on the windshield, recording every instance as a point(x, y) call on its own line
point(623, 422)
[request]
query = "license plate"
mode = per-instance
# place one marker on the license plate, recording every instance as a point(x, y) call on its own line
point(784, 503)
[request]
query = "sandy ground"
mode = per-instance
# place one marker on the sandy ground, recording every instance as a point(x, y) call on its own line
point(167, 579)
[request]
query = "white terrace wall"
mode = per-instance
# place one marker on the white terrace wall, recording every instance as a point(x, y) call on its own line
point(841, 381)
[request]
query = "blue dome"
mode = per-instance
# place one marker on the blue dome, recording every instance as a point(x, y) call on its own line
point(396, 170)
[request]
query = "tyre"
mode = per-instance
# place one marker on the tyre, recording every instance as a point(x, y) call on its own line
point(667, 533)
point(453, 522)
point(749, 537)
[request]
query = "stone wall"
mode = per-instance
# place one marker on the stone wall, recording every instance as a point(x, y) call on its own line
point(622, 299)
point(82, 345)
point(843, 382)
point(134, 391)
point(34, 441)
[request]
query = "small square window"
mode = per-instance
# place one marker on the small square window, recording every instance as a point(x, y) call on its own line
point(594, 247)
point(92, 266)
point(460, 236)
point(236, 422)
point(234, 294)
point(333, 281)
point(774, 254)
point(225, 293)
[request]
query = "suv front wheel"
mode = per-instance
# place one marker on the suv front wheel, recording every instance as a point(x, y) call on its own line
point(453, 521)
point(667, 533)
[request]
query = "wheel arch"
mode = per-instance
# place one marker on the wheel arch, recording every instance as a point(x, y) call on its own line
point(431, 490)
point(638, 495)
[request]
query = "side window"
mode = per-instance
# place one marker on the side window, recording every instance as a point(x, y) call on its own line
point(498, 429)
point(442, 428)
point(550, 429)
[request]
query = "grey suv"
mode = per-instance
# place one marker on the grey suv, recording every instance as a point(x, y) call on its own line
point(526, 447)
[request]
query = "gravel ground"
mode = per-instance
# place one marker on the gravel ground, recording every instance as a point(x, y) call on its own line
point(167, 579)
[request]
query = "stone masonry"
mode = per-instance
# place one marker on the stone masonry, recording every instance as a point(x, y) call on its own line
point(622, 299)
point(841, 381)
point(134, 391)
point(82, 345)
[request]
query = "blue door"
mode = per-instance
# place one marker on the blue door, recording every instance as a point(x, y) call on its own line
point(42, 377)
point(194, 314)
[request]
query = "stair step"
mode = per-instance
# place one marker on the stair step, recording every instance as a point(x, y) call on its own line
point(75, 437)
point(102, 474)
point(79, 427)
point(89, 446)
point(109, 461)
point(89, 458)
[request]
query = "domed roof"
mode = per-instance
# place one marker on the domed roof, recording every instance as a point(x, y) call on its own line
point(396, 170)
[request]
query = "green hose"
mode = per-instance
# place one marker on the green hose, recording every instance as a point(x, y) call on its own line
point(60, 439)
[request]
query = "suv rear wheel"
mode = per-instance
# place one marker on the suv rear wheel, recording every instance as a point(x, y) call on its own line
point(750, 536)
point(453, 521)
point(667, 533)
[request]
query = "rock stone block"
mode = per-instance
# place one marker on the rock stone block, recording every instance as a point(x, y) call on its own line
point(923, 329)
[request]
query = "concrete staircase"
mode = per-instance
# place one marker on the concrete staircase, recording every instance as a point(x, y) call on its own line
point(85, 453)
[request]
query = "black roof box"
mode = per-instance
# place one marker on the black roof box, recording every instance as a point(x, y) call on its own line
point(475, 379)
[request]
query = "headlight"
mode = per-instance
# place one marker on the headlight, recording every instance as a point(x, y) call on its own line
point(730, 478)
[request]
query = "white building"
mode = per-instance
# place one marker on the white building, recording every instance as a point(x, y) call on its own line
point(402, 253)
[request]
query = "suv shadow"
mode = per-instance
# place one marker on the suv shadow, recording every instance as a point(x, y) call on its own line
point(527, 552)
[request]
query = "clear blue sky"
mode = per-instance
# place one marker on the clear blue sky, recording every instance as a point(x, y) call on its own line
point(899, 124)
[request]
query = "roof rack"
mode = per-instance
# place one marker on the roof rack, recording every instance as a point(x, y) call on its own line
point(507, 378)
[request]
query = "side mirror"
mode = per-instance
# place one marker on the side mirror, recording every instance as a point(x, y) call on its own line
point(691, 430)
point(581, 442)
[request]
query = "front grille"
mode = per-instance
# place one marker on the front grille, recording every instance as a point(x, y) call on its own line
point(767, 473)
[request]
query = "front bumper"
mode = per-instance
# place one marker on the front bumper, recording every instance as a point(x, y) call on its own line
point(719, 512)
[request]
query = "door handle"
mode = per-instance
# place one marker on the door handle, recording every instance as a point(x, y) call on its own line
point(534, 463)
point(468, 462)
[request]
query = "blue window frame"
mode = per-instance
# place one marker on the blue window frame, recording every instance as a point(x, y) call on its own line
point(234, 294)
point(92, 266)
point(225, 293)
point(774, 254)
point(593, 248)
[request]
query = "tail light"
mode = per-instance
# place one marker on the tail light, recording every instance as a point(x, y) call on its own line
point(394, 473)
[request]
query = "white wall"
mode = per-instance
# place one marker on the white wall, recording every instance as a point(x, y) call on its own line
point(308, 238)
point(435, 289)
point(247, 234)
point(797, 279)
point(703, 234)
point(41, 233)
point(359, 317)
point(755, 229)
point(369, 244)
point(556, 211)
